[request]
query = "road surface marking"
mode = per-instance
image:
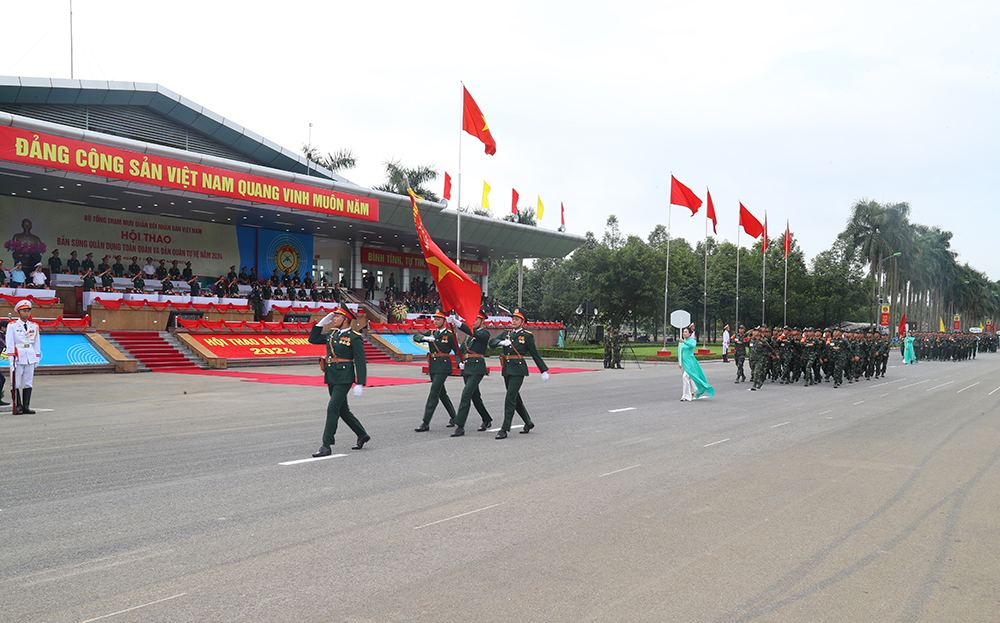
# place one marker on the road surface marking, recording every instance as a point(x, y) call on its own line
point(969, 387)
point(930, 389)
point(624, 469)
point(994, 391)
point(478, 510)
point(912, 384)
point(310, 460)
point(887, 383)
point(715, 443)
point(493, 430)
point(883, 395)
point(857, 403)
point(620, 410)
point(827, 411)
point(782, 424)
point(158, 601)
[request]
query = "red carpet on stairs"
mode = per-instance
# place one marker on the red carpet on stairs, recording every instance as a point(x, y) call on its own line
point(374, 355)
point(152, 350)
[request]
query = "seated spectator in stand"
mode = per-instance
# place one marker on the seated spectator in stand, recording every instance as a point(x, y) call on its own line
point(325, 295)
point(290, 293)
point(3, 275)
point(219, 287)
point(88, 263)
point(195, 284)
point(17, 276)
point(308, 282)
point(286, 280)
point(107, 281)
point(278, 294)
point(104, 265)
point(302, 295)
point(55, 263)
point(89, 280)
point(175, 271)
point(161, 270)
point(133, 266)
point(253, 275)
point(73, 264)
point(148, 269)
point(118, 268)
point(265, 291)
point(166, 286)
point(244, 276)
point(38, 278)
point(232, 273)
point(187, 273)
point(138, 283)
point(233, 290)
point(314, 295)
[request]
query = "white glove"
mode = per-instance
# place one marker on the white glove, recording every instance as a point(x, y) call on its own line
point(429, 338)
point(358, 390)
point(545, 376)
point(454, 321)
point(461, 365)
point(327, 319)
point(505, 342)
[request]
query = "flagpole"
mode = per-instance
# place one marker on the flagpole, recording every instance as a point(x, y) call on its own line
point(666, 280)
point(458, 211)
point(763, 275)
point(786, 286)
point(738, 228)
point(704, 309)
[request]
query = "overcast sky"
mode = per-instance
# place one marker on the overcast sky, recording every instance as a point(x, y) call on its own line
point(796, 108)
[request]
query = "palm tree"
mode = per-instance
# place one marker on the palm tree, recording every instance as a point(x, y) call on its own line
point(335, 161)
point(399, 178)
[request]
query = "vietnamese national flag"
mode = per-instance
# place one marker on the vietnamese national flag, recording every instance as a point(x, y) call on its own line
point(788, 240)
point(711, 211)
point(562, 214)
point(749, 223)
point(474, 122)
point(457, 291)
point(513, 200)
point(902, 325)
point(681, 195)
point(447, 185)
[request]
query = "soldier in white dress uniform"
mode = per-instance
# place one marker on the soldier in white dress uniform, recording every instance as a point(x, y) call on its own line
point(24, 350)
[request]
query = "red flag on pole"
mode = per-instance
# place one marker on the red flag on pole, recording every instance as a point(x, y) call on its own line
point(457, 291)
point(788, 240)
point(474, 122)
point(447, 185)
point(513, 201)
point(681, 195)
point(763, 246)
point(749, 223)
point(902, 325)
point(711, 211)
point(562, 214)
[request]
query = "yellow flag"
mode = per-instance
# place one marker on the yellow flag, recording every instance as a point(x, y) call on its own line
point(541, 208)
point(980, 325)
point(941, 325)
point(486, 196)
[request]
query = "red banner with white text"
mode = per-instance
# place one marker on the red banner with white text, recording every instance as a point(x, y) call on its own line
point(260, 346)
point(66, 154)
point(384, 257)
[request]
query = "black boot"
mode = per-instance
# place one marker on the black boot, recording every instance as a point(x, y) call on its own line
point(527, 428)
point(423, 428)
point(485, 425)
point(27, 402)
point(323, 451)
point(16, 409)
point(458, 432)
point(362, 440)
point(502, 435)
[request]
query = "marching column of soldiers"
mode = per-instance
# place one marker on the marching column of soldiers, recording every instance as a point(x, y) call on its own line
point(787, 355)
point(952, 346)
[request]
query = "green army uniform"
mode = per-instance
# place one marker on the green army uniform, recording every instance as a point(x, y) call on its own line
point(616, 351)
point(760, 360)
point(840, 352)
point(139, 284)
point(345, 365)
point(607, 349)
point(195, 288)
point(107, 281)
point(89, 282)
point(808, 346)
point(786, 354)
point(439, 366)
point(474, 369)
point(515, 369)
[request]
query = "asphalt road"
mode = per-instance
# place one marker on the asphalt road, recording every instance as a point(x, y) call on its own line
point(132, 500)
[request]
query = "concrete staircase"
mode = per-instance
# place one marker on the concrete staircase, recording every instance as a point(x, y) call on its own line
point(151, 350)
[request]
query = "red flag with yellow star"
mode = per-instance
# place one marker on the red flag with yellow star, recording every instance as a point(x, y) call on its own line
point(474, 122)
point(458, 292)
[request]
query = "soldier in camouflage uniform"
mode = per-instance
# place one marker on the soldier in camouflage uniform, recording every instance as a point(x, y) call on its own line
point(760, 358)
point(739, 343)
point(840, 352)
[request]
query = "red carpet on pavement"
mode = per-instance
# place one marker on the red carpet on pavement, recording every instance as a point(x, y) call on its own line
point(288, 379)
